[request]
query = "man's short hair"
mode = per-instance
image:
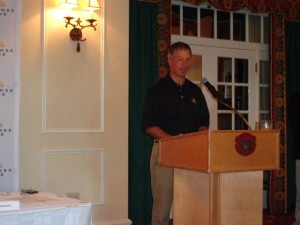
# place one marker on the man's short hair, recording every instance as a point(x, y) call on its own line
point(178, 45)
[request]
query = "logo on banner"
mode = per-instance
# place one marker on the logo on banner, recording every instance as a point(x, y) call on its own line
point(4, 51)
point(3, 10)
point(4, 130)
point(9, 57)
point(4, 171)
point(5, 91)
point(2, 4)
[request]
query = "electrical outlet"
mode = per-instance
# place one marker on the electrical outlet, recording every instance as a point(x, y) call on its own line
point(75, 195)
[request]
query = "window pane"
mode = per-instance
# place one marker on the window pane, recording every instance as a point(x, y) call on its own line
point(226, 92)
point(254, 29)
point(223, 27)
point(207, 23)
point(241, 70)
point(264, 72)
point(239, 21)
point(264, 101)
point(241, 98)
point(224, 69)
point(264, 116)
point(224, 121)
point(239, 123)
point(224, 76)
point(266, 30)
point(264, 81)
point(175, 26)
point(190, 21)
point(195, 73)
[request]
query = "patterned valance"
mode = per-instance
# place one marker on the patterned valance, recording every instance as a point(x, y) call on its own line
point(290, 9)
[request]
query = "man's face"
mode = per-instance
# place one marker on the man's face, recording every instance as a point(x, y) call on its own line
point(180, 62)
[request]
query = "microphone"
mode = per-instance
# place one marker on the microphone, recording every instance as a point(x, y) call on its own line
point(220, 99)
point(212, 89)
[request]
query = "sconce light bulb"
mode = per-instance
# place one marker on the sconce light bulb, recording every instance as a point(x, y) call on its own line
point(69, 4)
point(92, 5)
point(91, 8)
point(91, 21)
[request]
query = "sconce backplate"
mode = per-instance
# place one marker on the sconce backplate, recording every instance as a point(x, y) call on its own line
point(76, 34)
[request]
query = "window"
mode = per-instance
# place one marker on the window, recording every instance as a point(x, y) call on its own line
point(233, 84)
point(264, 90)
point(228, 26)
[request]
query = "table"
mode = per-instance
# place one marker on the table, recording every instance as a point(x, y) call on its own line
point(45, 209)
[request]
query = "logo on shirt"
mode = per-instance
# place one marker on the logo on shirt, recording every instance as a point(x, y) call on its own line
point(193, 100)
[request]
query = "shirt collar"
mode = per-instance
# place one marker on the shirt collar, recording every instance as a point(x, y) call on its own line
point(172, 82)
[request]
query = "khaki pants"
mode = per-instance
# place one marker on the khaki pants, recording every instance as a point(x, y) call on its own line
point(162, 189)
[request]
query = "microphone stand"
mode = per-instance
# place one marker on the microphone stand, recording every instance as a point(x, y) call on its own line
point(235, 111)
point(220, 99)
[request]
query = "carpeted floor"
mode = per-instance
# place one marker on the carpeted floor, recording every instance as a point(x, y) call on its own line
point(285, 219)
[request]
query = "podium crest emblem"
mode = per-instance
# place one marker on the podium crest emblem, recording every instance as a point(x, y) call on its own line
point(245, 144)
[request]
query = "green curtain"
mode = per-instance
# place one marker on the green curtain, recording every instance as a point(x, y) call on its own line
point(292, 33)
point(143, 72)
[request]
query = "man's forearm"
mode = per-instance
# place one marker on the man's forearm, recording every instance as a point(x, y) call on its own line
point(157, 132)
point(202, 128)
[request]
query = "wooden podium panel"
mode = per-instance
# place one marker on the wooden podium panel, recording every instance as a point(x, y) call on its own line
point(215, 151)
point(218, 199)
point(218, 177)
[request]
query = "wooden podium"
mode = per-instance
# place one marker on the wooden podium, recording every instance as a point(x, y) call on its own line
point(218, 178)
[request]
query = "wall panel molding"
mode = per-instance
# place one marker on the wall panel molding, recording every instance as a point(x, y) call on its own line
point(73, 83)
point(80, 171)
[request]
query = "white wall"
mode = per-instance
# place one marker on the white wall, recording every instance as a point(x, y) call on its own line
point(74, 107)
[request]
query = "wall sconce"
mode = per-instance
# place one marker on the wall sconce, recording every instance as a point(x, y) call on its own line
point(76, 32)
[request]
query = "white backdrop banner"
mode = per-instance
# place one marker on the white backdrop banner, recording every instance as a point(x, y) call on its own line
point(10, 23)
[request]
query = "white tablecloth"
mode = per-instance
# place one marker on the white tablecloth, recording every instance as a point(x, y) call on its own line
point(45, 209)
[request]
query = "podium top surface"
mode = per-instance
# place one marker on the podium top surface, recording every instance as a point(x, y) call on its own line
point(217, 151)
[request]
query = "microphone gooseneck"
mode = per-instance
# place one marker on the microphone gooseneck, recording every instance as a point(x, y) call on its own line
point(212, 89)
point(220, 99)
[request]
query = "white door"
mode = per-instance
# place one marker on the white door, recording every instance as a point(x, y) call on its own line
point(233, 72)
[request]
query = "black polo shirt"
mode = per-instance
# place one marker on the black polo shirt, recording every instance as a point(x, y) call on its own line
point(175, 109)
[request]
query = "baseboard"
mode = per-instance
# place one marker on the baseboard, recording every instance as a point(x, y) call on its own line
point(113, 222)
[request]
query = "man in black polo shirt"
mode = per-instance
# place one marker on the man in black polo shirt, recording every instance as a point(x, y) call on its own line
point(173, 106)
